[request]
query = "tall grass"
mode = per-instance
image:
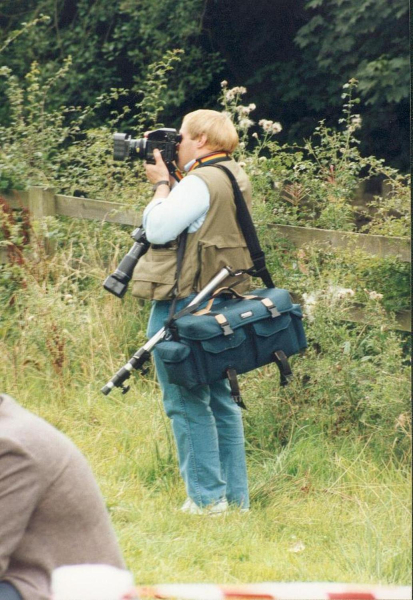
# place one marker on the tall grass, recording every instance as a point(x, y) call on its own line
point(330, 492)
point(328, 457)
point(321, 509)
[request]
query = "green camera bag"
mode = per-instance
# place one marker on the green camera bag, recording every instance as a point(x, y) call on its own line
point(236, 335)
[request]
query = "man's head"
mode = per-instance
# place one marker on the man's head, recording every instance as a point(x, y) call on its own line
point(204, 131)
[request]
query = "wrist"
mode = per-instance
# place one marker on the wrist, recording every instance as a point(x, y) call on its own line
point(159, 183)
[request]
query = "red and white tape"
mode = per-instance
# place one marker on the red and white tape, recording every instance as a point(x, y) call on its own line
point(274, 591)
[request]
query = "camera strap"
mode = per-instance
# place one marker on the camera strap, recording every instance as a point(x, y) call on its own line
point(250, 234)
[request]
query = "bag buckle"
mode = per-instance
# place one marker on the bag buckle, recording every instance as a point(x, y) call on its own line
point(235, 391)
point(223, 323)
point(270, 306)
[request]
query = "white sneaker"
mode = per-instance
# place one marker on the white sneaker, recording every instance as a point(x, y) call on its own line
point(213, 510)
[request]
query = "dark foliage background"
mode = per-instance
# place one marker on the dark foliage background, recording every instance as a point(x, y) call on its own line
point(293, 57)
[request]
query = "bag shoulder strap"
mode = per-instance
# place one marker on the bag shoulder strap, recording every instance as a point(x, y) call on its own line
point(179, 260)
point(248, 229)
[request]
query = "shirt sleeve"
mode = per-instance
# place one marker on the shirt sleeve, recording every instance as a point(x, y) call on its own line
point(20, 490)
point(186, 206)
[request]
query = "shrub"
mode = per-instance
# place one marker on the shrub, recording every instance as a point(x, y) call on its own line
point(59, 327)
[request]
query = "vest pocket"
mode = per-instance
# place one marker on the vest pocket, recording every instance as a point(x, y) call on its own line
point(157, 266)
point(154, 275)
point(219, 253)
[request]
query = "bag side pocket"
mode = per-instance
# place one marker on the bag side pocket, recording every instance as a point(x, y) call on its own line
point(178, 362)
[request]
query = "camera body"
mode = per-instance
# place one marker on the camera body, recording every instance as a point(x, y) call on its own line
point(165, 140)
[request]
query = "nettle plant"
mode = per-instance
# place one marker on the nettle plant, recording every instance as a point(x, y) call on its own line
point(54, 147)
point(314, 185)
point(63, 147)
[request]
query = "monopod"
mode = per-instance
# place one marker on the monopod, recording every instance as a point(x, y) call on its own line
point(143, 354)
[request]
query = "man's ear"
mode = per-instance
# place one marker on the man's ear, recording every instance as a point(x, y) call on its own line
point(201, 141)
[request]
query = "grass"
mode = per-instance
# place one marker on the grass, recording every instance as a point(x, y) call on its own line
point(328, 468)
point(321, 510)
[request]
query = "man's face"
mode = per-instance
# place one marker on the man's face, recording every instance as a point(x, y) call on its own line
point(187, 148)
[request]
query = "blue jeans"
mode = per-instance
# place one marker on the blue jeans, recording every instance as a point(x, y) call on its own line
point(8, 591)
point(208, 430)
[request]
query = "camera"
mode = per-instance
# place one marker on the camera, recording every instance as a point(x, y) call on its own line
point(165, 140)
point(117, 283)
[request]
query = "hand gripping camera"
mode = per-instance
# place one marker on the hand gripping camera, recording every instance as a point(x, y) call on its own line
point(166, 140)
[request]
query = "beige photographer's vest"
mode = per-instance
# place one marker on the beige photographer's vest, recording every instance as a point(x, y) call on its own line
point(217, 243)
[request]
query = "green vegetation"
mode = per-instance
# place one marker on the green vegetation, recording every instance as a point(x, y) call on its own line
point(328, 457)
point(293, 56)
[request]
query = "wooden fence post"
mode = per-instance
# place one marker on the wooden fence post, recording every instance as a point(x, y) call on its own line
point(41, 202)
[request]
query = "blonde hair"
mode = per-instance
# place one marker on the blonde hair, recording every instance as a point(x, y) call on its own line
point(218, 128)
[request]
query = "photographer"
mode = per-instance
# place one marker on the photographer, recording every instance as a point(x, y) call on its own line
point(207, 424)
point(52, 512)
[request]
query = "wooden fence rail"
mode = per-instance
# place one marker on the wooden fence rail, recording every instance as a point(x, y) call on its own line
point(43, 202)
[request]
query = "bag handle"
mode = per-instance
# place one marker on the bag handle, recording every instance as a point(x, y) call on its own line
point(227, 291)
point(267, 302)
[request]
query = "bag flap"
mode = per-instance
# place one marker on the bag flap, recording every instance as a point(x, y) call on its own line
point(220, 344)
point(172, 352)
point(272, 326)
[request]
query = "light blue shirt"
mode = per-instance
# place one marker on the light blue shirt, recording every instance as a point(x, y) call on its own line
point(186, 206)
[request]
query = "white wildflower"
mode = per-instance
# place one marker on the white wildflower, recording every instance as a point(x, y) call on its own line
point(270, 127)
point(309, 304)
point(243, 110)
point(224, 83)
point(339, 293)
point(355, 122)
point(239, 90)
point(245, 123)
point(235, 91)
point(255, 135)
point(374, 295)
